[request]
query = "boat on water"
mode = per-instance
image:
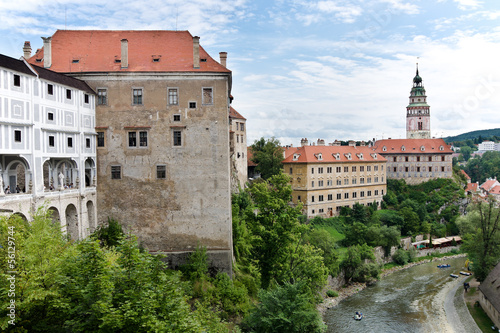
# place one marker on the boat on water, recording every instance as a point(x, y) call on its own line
point(454, 276)
point(465, 273)
point(443, 265)
point(358, 315)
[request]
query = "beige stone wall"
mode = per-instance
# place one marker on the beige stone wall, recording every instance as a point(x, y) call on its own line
point(191, 205)
point(239, 153)
point(366, 191)
point(489, 309)
point(407, 166)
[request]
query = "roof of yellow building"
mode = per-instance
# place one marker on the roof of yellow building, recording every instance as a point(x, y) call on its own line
point(411, 146)
point(332, 154)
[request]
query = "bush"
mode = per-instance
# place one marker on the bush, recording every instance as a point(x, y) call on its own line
point(332, 293)
point(197, 266)
point(285, 309)
point(400, 257)
point(109, 235)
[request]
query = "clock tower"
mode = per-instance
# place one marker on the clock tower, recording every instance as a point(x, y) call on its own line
point(418, 122)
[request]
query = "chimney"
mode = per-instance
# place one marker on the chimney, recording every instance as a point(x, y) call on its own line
point(336, 143)
point(303, 142)
point(352, 143)
point(321, 142)
point(27, 50)
point(363, 144)
point(124, 63)
point(47, 52)
point(196, 52)
point(223, 58)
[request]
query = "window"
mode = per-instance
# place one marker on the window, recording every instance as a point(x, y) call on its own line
point(320, 198)
point(137, 96)
point(346, 169)
point(17, 80)
point(177, 138)
point(361, 180)
point(192, 105)
point(50, 116)
point(100, 139)
point(362, 168)
point(329, 182)
point(369, 180)
point(369, 168)
point(242, 126)
point(321, 210)
point(50, 89)
point(87, 142)
point(353, 169)
point(116, 172)
point(68, 93)
point(173, 96)
point(312, 170)
point(330, 197)
point(354, 181)
point(376, 192)
point(237, 138)
point(375, 180)
point(312, 183)
point(339, 182)
point(362, 194)
point(430, 159)
point(346, 195)
point(442, 169)
point(394, 169)
point(51, 141)
point(339, 196)
point(418, 169)
point(406, 169)
point(161, 171)
point(86, 98)
point(320, 183)
point(346, 181)
point(177, 117)
point(406, 158)
point(312, 198)
point(102, 96)
point(354, 195)
point(17, 136)
point(132, 139)
point(207, 96)
point(320, 170)
point(442, 158)
point(418, 158)
point(369, 193)
point(329, 170)
point(70, 142)
point(298, 198)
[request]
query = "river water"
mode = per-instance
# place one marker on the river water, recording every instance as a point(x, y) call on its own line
point(409, 300)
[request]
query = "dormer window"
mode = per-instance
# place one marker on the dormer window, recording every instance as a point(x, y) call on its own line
point(403, 148)
point(384, 148)
point(156, 58)
point(360, 156)
point(422, 148)
point(441, 148)
point(374, 155)
point(348, 155)
point(75, 61)
point(296, 157)
point(203, 59)
point(118, 60)
point(336, 156)
point(319, 156)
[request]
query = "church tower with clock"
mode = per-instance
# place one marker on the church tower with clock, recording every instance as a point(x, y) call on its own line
point(418, 122)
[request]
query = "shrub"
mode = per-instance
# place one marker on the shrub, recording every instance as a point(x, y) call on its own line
point(109, 235)
point(332, 293)
point(400, 257)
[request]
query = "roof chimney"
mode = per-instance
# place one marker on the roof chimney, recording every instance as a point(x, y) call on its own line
point(27, 50)
point(321, 142)
point(336, 143)
point(124, 53)
point(223, 58)
point(196, 52)
point(47, 52)
point(352, 143)
point(303, 142)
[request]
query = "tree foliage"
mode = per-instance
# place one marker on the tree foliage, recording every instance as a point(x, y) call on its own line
point(268, 155)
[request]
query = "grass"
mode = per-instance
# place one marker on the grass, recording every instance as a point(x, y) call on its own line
point(337, 236)
point(482, 320)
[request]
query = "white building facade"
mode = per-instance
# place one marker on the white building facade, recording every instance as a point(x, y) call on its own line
point(47, 146)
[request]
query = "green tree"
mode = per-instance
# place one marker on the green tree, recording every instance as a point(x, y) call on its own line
point(268, 155)
point(481, 233)
point(285, 309)
point(466, 152)
point(322, 239)
point(354, 266)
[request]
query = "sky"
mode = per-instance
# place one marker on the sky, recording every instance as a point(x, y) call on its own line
point(329, 69)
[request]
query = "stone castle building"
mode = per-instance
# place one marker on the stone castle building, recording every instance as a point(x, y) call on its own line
point(326, 178)
point(163, 164)
point(238, 148)
point(47, 145)
point(418, 158)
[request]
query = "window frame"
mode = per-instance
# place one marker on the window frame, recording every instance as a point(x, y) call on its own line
point(136, 98)
point(69, 95)
point(203, 99)
point(50, 89)
point(18, 136)
point(17, 80)
point(163, 172)
point(116, 172)
point(101, 138)
point(52, 141)
point(175, 96)
point(177, 139)
point(70, 142)
point(102, 96)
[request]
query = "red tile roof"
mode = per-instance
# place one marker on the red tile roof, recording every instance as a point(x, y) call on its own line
point(465, 174)
point(489, 184)
point(311, 154)
point(472, 187)
point(495, 190)
point(412, 146)
point(249, 157)
point(96, 51)
point(235, 114)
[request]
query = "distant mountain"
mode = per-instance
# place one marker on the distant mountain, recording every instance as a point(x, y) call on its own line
point(473, 135)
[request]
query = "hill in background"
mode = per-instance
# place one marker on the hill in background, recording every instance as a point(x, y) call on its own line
point(473, 135)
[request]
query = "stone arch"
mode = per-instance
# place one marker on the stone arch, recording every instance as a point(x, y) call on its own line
point(72, 222)
point(69, 169)
point(54, 215)
point(17, 173)
point(89, 172)
point(91, 216)
point(19, 214)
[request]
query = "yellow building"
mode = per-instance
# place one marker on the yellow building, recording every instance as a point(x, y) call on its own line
point(326, 178)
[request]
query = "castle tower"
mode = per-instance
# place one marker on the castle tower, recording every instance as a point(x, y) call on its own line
point(418, 122)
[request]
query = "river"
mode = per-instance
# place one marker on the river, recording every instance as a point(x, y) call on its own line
point(410, 300)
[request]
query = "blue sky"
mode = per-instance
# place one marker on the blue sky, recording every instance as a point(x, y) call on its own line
point(338, 69)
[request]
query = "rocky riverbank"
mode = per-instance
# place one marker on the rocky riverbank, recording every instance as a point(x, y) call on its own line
point(330, 302)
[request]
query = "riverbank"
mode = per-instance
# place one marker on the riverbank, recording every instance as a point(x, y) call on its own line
point(330, 302)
